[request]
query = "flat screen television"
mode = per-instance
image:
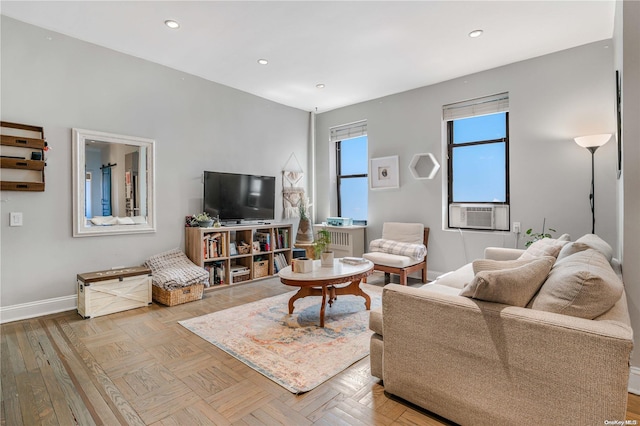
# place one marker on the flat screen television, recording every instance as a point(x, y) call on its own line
point(238, 197)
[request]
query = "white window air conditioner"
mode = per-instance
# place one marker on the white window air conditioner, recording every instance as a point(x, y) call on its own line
point(479, 216)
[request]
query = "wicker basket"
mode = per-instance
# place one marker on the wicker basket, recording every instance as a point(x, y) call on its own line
point(244, 248)
point(179, 295)
point(239, 277)
point(260, 269)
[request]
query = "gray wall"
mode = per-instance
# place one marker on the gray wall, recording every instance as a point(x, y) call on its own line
point(553, 99)
point(198, 125)
point(627, 43)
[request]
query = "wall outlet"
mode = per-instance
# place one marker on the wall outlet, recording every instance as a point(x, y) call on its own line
point(15, 219)
point(516, 227)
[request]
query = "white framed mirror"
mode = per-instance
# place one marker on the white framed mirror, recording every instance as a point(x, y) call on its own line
point(113, 184)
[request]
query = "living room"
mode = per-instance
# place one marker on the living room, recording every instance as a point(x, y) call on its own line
point(59, 83)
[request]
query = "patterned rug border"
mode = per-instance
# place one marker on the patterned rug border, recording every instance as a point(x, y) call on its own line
point(374, 291)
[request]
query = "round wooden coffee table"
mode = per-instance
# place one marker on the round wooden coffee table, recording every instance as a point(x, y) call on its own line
point(323, 282)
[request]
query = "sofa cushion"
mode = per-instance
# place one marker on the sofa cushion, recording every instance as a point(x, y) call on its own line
point(515, 286)
point(375, 320)
point(543, 247)
point(442, 289)
point(456, 279)
point(597, 243)
point(582, 285)
point(388, 259)
point(494, 265)
point(572, 248)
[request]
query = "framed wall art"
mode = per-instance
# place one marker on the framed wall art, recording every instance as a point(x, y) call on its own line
point(383, 173)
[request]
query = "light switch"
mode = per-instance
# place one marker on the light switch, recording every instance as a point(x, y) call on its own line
point(15, 219)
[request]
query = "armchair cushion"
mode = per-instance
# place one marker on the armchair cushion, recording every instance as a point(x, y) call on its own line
point(388, 259)
point(403, 232)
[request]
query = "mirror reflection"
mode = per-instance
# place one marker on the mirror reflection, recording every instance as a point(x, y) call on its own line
point(113, 184)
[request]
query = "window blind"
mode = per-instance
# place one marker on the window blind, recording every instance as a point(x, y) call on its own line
point(348, 131)
point(479, 106)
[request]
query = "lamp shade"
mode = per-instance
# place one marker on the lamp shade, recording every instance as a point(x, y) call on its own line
point(593, 141)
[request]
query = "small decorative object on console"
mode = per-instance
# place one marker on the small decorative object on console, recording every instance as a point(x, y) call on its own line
point(203, 220)
point(339, 221)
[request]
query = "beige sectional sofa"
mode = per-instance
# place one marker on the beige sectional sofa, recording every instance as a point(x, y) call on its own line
point(480, 362)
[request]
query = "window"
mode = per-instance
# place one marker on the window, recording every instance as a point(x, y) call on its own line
point(352, 170)
point(478, 158)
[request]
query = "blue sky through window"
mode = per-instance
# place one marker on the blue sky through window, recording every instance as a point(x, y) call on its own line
point(479, 171)
point(480, 128)
point(354, 191)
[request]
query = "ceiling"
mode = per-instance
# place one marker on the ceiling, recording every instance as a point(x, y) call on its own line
point(359, 50)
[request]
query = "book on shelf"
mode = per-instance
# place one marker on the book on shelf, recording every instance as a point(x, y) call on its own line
point(216, 273)
point(213, 245)
point(279, 262)
point(264, 238)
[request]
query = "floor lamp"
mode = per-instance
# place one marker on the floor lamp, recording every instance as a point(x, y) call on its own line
point(592, 143)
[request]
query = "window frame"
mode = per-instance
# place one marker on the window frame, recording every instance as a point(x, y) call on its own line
point(340, 176)
point(451, 146)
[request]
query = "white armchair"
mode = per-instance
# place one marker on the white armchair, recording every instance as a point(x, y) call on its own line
point(401, 250)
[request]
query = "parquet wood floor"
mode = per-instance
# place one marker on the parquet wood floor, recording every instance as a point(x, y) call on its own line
point(140, 367)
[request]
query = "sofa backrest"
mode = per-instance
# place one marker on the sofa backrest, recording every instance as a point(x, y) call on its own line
point(403, 232)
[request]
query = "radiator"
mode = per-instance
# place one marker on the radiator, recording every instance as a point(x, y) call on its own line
point(345, 240)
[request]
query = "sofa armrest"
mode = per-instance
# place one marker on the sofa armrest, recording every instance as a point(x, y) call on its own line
point(478, 362)
point(502, 253)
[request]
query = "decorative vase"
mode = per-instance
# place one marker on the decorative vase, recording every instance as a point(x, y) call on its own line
point(205, 223)
point(302, 265)
point(305, 232)
point(326, 259)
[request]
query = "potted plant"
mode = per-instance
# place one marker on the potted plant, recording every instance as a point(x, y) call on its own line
point(305, 230)
point(203, 219)
point(535, 236)
point(321, 248)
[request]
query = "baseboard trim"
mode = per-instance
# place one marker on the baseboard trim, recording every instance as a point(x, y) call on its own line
point(634, 380)
point(38, 308)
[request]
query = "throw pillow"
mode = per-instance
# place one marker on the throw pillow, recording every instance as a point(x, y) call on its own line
point(493, 265)
point(543, 247)
point(515, 286)
point(582, 285)
point(597, 243)
point(572, 248)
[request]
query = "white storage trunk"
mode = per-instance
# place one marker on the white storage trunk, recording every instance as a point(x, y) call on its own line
point(106, 292)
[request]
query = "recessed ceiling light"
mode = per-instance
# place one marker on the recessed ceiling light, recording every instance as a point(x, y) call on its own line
point(263, 61)
point(475, 33)
point(172, 24)
point(320, 86)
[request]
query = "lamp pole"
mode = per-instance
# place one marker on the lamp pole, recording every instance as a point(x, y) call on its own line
point(592, 195)
point(592, 143)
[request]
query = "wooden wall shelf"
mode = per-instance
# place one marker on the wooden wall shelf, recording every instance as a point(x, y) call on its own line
point(21, 144)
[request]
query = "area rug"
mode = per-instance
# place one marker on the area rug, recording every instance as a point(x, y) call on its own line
point(292, 350)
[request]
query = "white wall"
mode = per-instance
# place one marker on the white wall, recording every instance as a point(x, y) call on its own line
point(627, 42)
point(198, 125)
point(553, 99)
